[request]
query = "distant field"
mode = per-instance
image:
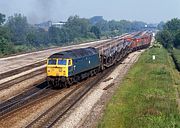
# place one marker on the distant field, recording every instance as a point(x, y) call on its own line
point(176, 55)
point(147, 96)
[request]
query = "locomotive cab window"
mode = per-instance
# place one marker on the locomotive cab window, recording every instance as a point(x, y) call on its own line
point(70, 62)
point(62, 62)
point(52, 62)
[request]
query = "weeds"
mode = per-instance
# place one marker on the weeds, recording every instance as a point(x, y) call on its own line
point(147, 96)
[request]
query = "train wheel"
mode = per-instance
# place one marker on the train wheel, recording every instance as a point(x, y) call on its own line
point(65, 85)
point(70, 81)
point(91, 73)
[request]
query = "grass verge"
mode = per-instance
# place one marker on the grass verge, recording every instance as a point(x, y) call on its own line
point(147, 98)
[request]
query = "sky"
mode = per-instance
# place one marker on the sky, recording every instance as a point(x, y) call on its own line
point(37, 11)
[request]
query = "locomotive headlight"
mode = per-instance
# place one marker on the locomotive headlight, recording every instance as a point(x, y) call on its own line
point(48, 70)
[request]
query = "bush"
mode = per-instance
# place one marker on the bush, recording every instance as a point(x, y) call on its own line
point(176, 57)
point(6, 47)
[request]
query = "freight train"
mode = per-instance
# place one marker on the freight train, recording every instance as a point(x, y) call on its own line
point(71, 66)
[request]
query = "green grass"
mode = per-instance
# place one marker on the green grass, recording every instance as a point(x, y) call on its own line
point(147, 96)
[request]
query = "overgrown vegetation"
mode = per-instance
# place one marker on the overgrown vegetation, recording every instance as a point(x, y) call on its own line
point(176, 57)
point(147, 96)
point(169, 36)
point(17, 35)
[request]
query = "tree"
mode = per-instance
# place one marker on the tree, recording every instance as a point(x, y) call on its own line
point(54, 35)
point(165, 37)
point(2, 18)
point(5, 33)
point(103, 25)
point(160, 25)
point(177, 40)
point(172, 25)
point(79, 26)
point(94, 20)
point(113, 25)
point(96, 31)
point(170, 35)
point(31, 38)
point(137, 25)
point(76, 29)
point(114, 28)
point(6, 47)
point(37, 37)
point(18, 27)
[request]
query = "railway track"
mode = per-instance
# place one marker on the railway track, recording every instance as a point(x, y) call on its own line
point(42, 62)
point(19, 70)
point(33, 96)
point(24, 99)
point(57, 111)
point(21, 99)
point(16, 103)
point(76, 117)
point(19, 79)
point(6, 83)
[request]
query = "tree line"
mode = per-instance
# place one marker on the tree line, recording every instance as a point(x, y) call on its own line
point(17, 35)
point(169, 34)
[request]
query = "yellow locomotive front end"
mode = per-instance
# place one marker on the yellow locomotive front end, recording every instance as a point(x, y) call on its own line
point(57, 67)
point(57, 71)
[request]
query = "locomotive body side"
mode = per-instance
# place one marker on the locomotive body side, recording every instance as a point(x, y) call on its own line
point(67, 67)
point(84, 64)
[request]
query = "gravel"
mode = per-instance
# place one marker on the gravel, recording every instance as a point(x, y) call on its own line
point(88, 111)
point(85, 114)
point(26, 115)
point(20, 87)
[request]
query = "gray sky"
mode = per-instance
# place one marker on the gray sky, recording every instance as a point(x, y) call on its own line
point(151, 11)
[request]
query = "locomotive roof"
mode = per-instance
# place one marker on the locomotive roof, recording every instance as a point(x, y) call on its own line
point(75, 53)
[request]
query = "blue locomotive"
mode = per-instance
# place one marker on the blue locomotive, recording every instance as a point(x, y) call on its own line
point(68, 67)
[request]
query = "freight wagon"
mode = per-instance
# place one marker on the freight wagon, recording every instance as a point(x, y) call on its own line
point(68, 67)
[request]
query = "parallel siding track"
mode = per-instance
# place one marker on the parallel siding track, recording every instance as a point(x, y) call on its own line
point(19, 70)
point(56, 112)
point(16, 103)
point(21, 79)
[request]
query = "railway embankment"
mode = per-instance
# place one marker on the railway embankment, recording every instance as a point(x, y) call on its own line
point(88, 110)
point(148, 95)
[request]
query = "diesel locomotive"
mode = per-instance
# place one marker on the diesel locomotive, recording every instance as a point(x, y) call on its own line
point(68, 67)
